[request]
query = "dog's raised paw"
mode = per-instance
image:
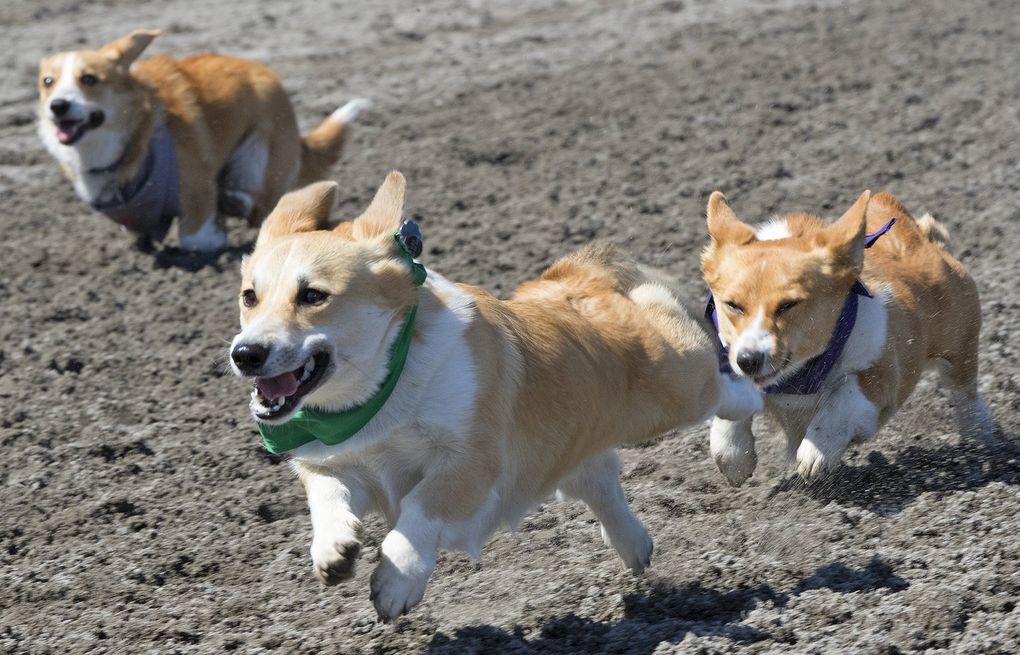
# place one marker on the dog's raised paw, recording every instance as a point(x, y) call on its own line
point(335, 562)
point(394, 592)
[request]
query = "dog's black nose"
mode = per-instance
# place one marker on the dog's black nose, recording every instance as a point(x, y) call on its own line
point(751, 362)
point(59, 106)
point(249, 357)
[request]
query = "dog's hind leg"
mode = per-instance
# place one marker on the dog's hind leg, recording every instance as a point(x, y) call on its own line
point(959, 375)
point(280, 173)
point(596, 482)
point(243, 177)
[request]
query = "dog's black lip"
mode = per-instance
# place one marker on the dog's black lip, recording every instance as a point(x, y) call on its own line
point(290, 404)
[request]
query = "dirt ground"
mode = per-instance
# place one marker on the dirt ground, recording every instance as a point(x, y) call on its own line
point(140, 514)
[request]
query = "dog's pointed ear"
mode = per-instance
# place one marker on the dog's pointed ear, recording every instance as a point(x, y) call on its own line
point(723, 224)
point(845, 237)
point(127, 48)
point(383, 216)
point(304, 210)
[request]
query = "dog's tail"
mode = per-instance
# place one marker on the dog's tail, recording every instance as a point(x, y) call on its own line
point(934, 231)
point(321, 147)
point(884, 204)
point(608, 259)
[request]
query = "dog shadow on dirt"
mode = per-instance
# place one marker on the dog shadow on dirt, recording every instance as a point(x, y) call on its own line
point(668, 613)
point(170, 257)
point(887, 487)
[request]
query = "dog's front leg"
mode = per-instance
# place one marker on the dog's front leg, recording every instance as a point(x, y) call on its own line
point(335, 507)
point(407, 558)
point(451, 494)
point(732, 446)
point(846, 414)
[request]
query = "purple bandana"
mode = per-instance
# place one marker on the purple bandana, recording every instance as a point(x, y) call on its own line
point(149, 202)
point(810, 377)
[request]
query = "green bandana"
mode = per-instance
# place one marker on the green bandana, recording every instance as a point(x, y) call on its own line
point(331, 428)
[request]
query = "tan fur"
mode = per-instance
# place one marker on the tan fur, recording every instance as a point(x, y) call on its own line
point(633, 371)
point(933, 310)
point(817, 267)
point(935, 313)
point(211, 103)
point(527, 394)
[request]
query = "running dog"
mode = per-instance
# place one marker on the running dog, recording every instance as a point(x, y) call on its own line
point(205, 136)
point(835, 324)
point(446, 410)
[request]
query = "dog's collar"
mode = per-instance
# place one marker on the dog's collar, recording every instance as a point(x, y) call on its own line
point(332, 428)
point(107, 170)
point(149, 201)
point(809, 378)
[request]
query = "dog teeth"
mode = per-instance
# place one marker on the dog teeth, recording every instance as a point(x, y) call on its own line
point(309, 368)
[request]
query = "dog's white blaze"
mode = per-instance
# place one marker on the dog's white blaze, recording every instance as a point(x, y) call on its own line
point(773, 230)
point(67, 87)
point(755, 338)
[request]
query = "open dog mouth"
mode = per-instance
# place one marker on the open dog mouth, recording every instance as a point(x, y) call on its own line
point(275, 398)
point(69, 131)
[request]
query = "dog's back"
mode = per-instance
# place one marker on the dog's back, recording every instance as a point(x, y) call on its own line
point(931, 284)
point(637, 361)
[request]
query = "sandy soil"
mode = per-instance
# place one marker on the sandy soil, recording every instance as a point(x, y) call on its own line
point(139, 513)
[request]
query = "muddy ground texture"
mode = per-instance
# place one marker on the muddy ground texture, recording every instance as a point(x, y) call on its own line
point(139, 513)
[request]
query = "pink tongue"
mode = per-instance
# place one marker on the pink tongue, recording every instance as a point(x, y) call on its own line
point(65, 134)
point(277, 387)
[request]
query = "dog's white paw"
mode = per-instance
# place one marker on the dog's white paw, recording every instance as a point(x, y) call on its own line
point(736, 466)
point(732, 446)
point(398, 582)
point(633, 544)
point(208, 238)
point(812, 462)
point(973, 418)
point(334, 556)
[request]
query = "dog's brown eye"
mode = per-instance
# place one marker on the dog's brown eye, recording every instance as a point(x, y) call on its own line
point(734, 307)
point(249, 298)
point(786, 306)
point(47, 81)
point(310, 296)
point(88, 79)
